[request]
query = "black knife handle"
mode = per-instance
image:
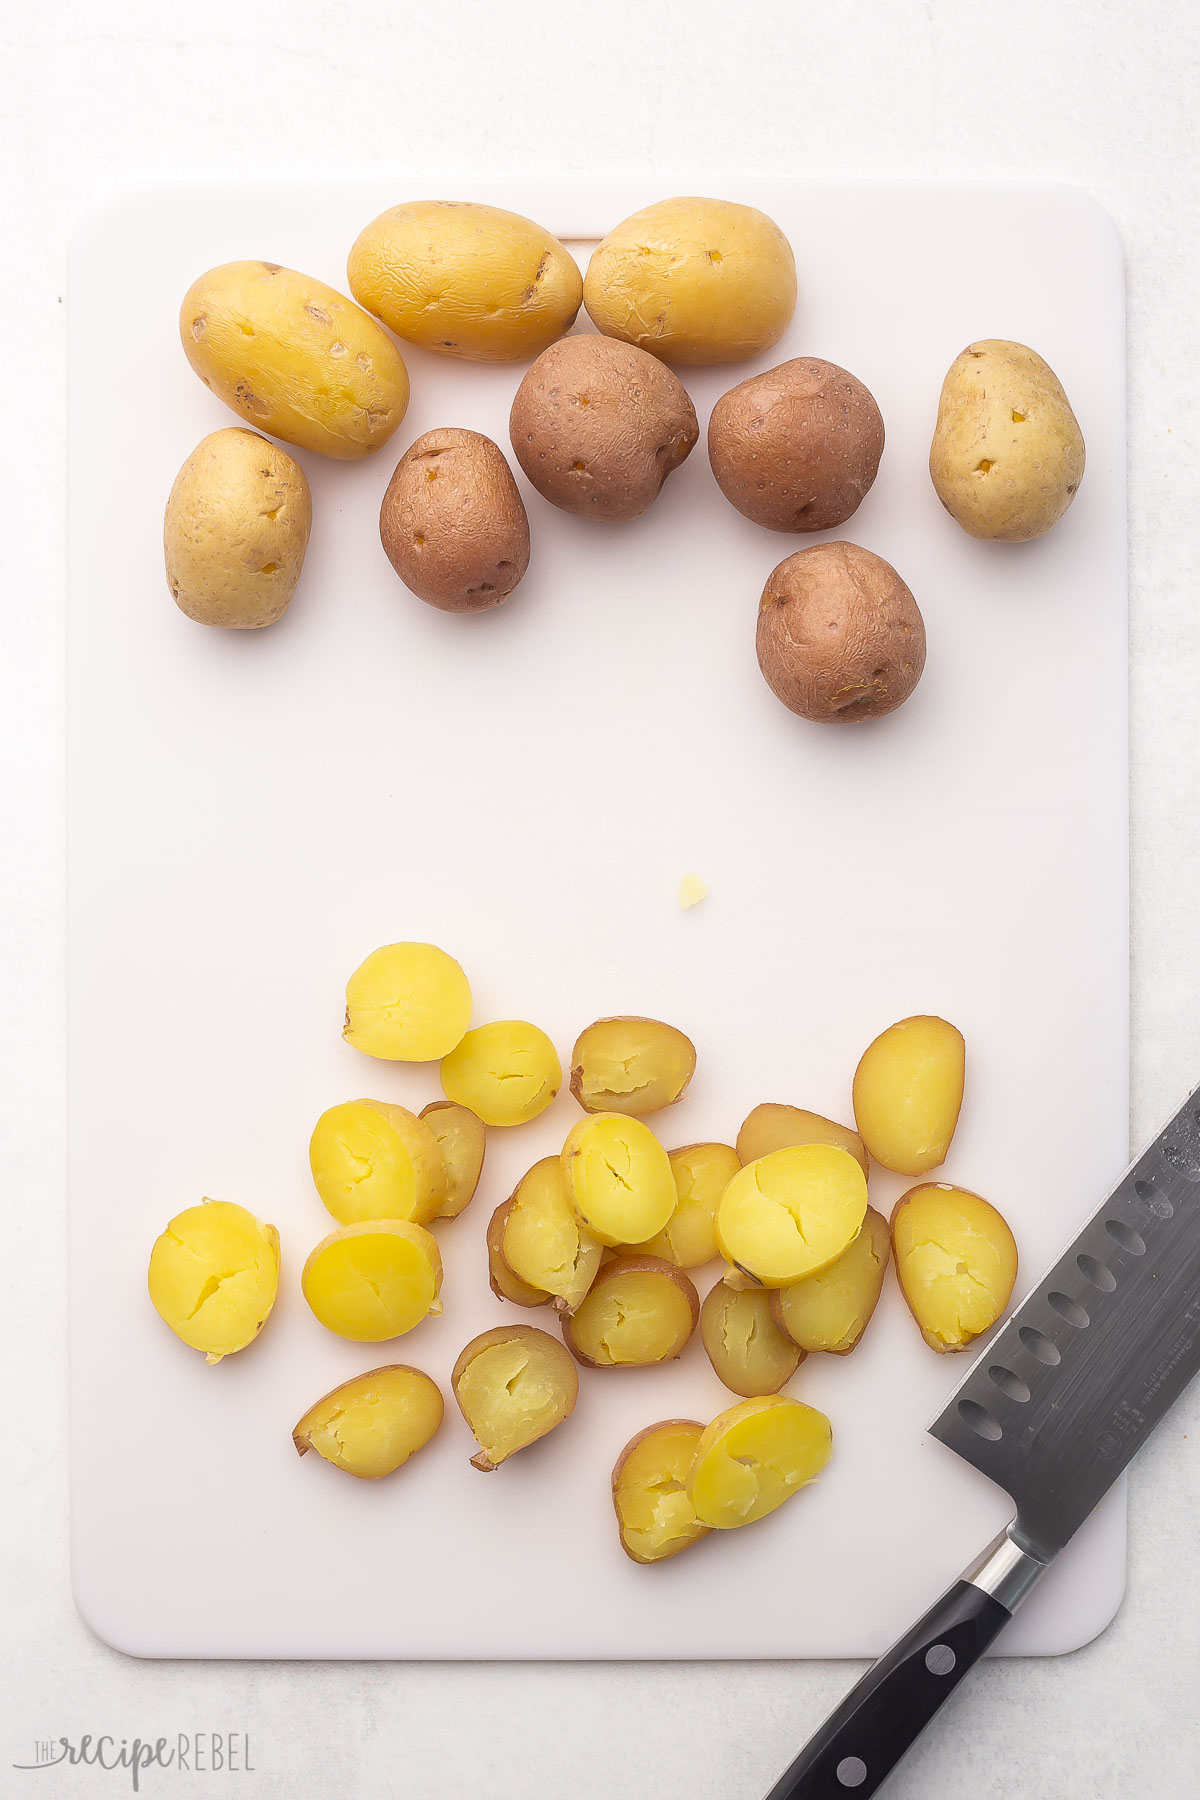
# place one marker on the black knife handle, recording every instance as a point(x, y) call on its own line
point(881, 1718)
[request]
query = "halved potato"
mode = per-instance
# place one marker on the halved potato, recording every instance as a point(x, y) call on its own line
point(754, 1457)
point(213, 1277)
point(630, 1065)
point(371, 1425)
point(908, 1090)
point(619, 1178)
point(375, 1280)
point(460, 1136)
point(745, 1346)
point(506, 1072)
point(373, 1160)
point(774, 1127)
point(655, 1517)
point(792, 1212)
point(689, 1237)
point(639, 1310)
point(503, 1283)
point(542, 1242)
point(513, 1384)
point(407, 1003)
point(831, 1310)
point(956, 1261)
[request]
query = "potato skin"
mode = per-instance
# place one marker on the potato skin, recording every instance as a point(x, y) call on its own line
point(774, 1126)
point(452, 522)
point(501, 1279)
point(465, 280)
point(1007, 455)
point(840, 636)
point(295, 358)
point(236, 530)
point(597, 426)
point(797, 447)
point(693, 280)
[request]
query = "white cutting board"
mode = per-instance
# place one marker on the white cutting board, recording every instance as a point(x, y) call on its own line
point(250, 814)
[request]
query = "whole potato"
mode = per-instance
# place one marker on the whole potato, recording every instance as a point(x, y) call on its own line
point(452, 522)
point(236, 530)
point(839, 634)
point(797, 447)
point(294, 358)
point(598, 426)
point(1007, 455)
point(693, 280)
point(465, 280)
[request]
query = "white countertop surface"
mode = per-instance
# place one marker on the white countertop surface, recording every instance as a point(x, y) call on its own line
point(1099, 94)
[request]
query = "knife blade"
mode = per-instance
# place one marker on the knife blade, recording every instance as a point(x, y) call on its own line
point(1052, 1411)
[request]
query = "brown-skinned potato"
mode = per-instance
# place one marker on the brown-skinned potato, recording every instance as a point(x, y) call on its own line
point(598, 425)
point(797, 447)
point(639, 1310)
point(743, 1341)
point(513, 1384)
point(461, 1138)
point(840, 636)
point(501, 1279)
point(452, 522)
point(649, 1489)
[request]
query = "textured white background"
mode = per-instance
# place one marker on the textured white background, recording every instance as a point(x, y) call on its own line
point(1102, 95)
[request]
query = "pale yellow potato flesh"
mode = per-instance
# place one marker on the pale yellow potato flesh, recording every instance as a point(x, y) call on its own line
point(754, 1457)
point(1007, 455)
point(744, 1344)
point(630, 1065)
point(830, 1310)
point(373, 1281)
point(213, 1277)
point(372, 1424)
point(689, 1238)
point(693, 280)
point(506, 1072)
point(236, 530)
point(908, 1090)
point(772, 1126)
point(373, 1160)
point(791, 1212)
point(640, 1310)
point(956, 1261)
point(619, 1178)
point(543, 1243)
point(655, 1517)
point(460, 1136)
point(295, 358)
point(407, 1003)
point(513, 1384)
point(466, 280)
point(503, 1283)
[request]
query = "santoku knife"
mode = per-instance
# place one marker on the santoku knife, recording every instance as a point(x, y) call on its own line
point(1052, 1411)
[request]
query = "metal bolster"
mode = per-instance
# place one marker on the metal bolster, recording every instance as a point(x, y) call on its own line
point(1005, 1571)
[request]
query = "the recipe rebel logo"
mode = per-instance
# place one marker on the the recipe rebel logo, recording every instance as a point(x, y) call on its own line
point(200, 1753)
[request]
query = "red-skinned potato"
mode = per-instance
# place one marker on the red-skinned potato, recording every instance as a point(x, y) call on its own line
point(840, 636)
point(639, 1310)
point(452, 522)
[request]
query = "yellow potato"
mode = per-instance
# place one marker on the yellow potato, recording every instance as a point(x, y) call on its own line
point(908, 1090)
point(542, 1242)
point(629, 1065)
point(460, 1136)
point(745, 1346)
point(754, 1457)
point(466, 280)
point(236, 530)
point(372, 1424)
point(773, 1127)
point(213, 1277)
point(831, 1310)
point(372, 1160)
point(792, 1212)
point(407, 1003)
point(956, 1262)
point(507, 1072)
point(689, 1238)
point(694, 281)
point(503, 1283)
point(513, 1384)
point(639, 1310)
point(375, 1280)
point(295, 358)
point(1007, 455)
point(619, 1178)
point(649, 1489)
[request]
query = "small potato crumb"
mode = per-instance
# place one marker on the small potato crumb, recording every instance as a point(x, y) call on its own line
point(692, 890)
